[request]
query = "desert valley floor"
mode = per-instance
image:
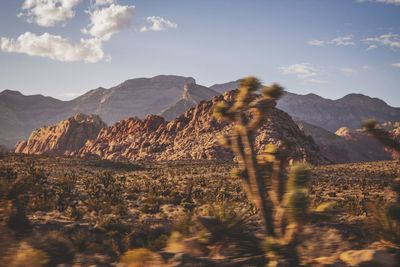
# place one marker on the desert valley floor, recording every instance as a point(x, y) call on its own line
point(102, 208)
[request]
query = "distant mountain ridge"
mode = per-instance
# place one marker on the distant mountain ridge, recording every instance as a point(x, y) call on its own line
point(350, 110)
point(170, 96)
point(346, 145)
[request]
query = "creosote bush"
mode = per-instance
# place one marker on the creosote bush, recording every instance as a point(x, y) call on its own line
point(105, 193)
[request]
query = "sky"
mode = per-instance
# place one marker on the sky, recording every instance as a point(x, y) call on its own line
point(63, 48)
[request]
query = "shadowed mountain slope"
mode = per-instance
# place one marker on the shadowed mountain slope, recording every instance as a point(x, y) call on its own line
point(350, 110)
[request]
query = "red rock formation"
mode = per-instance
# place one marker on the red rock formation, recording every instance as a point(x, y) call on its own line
point(193, 135)
point(65, 138)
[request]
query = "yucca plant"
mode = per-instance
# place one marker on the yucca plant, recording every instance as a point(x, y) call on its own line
point(281, 197)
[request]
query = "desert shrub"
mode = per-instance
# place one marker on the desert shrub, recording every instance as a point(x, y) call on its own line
point(42, 191)
point(114, 230)
point(14, 197)
point(141, 257)
point(151, 203)
point(152, 236)
point(65, 192)
point(26, 255)
point(184, 223)
point(230, 231)
point(381, 226)
point(113, 165)
point(58, 249)
point(106, 193)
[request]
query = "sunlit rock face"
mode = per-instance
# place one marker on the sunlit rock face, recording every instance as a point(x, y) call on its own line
point(64, 138)
point(193, 135)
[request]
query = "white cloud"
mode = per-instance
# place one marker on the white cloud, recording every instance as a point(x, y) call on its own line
point(106, 21)
point(372, 47)
point(391, 40)
point(158, 24)
point(48, 13)
point(396, 65)
point(305, 71)
point(338, 41)
point(348, 71)
point(316, 42)
point(54, 47)
point(102, 2)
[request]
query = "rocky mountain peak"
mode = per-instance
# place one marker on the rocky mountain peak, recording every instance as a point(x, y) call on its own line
point(10, 93)
point(192, 136)
point(63, 138)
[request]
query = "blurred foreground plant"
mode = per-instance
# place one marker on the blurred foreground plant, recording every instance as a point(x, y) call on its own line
point(281, 198)
point(391, 223)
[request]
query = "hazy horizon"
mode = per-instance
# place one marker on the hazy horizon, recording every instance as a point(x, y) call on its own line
point(70, 98)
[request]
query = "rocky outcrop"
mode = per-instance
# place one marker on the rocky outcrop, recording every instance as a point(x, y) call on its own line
point(192, 95)
point(20, 114)
point(193, 135)
point(346, 145)
point(65, 138)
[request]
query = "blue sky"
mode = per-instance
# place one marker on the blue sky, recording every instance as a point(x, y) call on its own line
point(63, 48)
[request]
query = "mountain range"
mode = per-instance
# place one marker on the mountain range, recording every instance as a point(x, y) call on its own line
point(171, 96)
point(193, 135)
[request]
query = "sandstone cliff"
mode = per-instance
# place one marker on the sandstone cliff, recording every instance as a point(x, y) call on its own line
point(192, 136)
point(64, 138)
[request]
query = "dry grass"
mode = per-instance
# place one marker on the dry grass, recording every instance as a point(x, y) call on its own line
point(110, 208)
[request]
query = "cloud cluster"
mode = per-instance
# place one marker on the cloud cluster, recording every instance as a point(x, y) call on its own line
point(106, 21)
point(305, 71)
point(48, 13)
point(396, 65)
point(338, 41)
point(158, 24)
point(54, 47)
point(389, 39)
